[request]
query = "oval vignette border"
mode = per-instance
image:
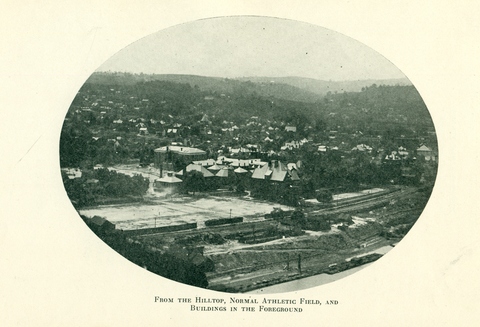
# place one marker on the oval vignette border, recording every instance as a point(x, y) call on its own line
point(164, 158)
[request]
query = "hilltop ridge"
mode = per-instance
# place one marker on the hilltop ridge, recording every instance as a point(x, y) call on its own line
point(289, 88)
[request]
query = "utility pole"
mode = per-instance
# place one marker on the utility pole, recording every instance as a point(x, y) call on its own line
point(299, 263)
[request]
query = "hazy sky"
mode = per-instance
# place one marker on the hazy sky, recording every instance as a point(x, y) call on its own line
point(252, 46)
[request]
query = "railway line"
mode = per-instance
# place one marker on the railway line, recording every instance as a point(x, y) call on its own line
point(363, 203)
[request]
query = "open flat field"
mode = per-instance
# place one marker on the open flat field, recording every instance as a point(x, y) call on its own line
point(182, 209)
point(178, 209)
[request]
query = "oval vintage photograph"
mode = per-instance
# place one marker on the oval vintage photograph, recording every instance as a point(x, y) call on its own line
point(249, 154)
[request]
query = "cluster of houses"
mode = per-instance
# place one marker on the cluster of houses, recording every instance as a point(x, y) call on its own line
point(423, 152)
point(175, 161)
point(268, 134)
point(225, 170)
point(293, 144)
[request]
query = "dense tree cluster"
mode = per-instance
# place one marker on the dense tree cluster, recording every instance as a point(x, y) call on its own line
point(194, 182)
point(103, 186)
point(284, 193)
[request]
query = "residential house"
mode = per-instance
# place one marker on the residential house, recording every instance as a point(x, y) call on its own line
point(426, 152)
point(362, 148)
point(292, 129)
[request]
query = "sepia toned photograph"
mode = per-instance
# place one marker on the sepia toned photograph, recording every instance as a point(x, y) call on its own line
point(249, 154)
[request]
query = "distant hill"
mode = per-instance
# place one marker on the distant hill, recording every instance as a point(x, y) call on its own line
point(228, 85)
point(323, 87)
point(289, 88)
point(212, 84)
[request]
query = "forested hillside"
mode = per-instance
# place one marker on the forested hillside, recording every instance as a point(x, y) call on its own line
point(108, 124)
point(374, 108)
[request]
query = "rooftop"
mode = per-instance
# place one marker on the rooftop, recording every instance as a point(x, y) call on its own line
point(183, 150)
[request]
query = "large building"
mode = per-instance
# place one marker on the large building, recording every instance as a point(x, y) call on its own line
point(175, 157)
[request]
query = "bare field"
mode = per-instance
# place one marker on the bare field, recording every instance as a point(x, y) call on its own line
point(182, 209)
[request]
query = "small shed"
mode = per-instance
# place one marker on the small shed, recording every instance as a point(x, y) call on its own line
point(167, 181)
point(100, 225)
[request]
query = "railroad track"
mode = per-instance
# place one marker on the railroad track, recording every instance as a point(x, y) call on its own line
point(363, 204)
